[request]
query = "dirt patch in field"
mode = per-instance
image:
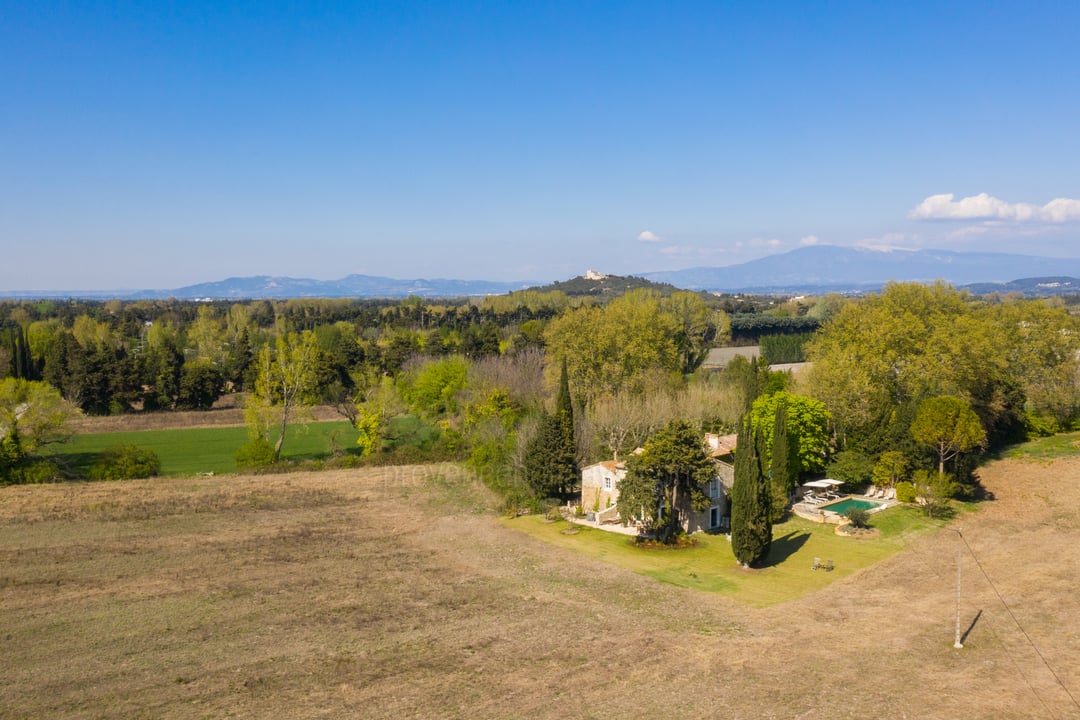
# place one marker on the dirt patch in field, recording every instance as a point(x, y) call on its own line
point(395, 592)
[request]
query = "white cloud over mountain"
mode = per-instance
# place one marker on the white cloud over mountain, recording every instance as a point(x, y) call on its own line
point(989, 208)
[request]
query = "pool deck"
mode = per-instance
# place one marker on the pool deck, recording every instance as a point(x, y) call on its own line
point(822, 514)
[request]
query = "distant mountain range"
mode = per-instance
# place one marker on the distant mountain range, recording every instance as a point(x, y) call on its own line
point(809, 270)
point(265, 286)
point(826, 268)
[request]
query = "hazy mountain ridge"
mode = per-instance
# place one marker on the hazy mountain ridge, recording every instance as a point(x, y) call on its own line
point(809, 270)
point(832, 268)
point(281, 287)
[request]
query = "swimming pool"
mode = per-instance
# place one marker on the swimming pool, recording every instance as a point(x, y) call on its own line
point(843, 506)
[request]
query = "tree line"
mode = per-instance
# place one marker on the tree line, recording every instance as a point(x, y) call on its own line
point(907, 385)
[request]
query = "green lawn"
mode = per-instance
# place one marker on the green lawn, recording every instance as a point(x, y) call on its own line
point(710, 566)
point(1046, 448)
point(199, 450)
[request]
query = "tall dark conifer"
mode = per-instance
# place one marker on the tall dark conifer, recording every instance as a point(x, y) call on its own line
point(781, 476)
point(564, 410)
point(751, 527)
point(551, 465)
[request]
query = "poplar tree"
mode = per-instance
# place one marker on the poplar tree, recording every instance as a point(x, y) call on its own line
point(751, 528)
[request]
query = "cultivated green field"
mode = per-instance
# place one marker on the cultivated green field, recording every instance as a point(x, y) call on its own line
point(710, 565)
point(191, 451)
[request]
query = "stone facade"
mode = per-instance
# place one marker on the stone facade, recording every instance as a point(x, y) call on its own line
point(600, 491)
point(600, 485)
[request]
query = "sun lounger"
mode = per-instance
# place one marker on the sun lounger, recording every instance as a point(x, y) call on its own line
point(817, 564)
point(890, 494)
point(881, 493)
point(872, 492)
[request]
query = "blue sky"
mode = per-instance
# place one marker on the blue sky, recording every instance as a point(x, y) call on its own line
point(144, 145)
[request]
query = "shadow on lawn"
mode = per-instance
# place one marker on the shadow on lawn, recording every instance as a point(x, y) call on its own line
point(784, 547)
point(75, 466)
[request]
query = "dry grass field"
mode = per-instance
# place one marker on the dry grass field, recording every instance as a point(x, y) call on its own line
point(397, 593)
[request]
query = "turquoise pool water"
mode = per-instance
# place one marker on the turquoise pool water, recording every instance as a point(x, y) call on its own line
point(844, 505)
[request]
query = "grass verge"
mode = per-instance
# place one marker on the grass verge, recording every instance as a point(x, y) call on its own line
point(710, 566)
point(1046, 448)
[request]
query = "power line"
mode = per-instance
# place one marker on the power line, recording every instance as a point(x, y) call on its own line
point(1012, 615)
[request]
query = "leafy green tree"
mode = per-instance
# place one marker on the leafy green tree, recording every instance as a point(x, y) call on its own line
point(161, 367)
point(698, 328)
point(891, 468)
point(201, 384)
point(1042, 347)
point(206, 335)
point(852, 467)
point(481, 341)
point(673, 470)
point(369, 425)
point(807, 424)
point(285, 383)
point(615, 346)
point(949, 426)
point(933, 491)
point(879, 357)
point(751, 528)
point(432, 389)
point(32, 414)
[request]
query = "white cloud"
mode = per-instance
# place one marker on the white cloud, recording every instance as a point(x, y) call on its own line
point(649, 236)
point(809, 240)
point(986, 207)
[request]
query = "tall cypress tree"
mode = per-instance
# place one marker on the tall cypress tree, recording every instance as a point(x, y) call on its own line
point(751, 527)
point(781, 477)
point(564, 416)
point(551, 465)
point(549, 469)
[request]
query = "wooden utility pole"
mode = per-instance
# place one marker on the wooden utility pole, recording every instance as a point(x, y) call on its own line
point(959, 551)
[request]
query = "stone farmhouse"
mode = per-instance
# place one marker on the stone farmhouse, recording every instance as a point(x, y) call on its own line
point(600, 490)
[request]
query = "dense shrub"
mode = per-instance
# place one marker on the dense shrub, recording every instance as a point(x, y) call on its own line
point(40, 471)
point(851, 467)
point(1038, 425)
point(125, 462)
point(776, 349)
point(858, 517)
point(905, 492)
point(255, 454)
